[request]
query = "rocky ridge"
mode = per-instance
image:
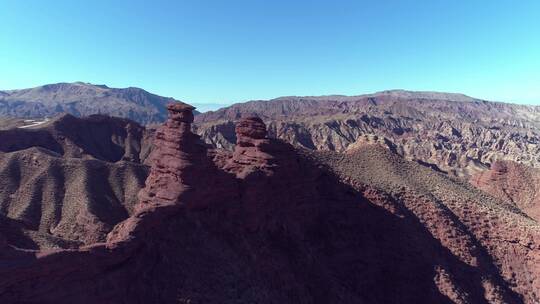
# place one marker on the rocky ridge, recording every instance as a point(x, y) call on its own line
point(84, 99)
point(68, 182)
point(454, 133)
point(269, 223)
point(97, 136)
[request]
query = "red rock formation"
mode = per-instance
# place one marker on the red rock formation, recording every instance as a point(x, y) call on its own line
point(174, 159)
point(253, 148)
point(264, 168)
point(268, 224)
point(181, 175)
point(248, 129)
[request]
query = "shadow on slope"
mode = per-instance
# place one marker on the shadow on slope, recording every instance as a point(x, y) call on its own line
point(332, 243)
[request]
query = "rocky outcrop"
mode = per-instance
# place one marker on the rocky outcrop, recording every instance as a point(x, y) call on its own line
point(180, 178)
point(267, 223)
point(264, 168)
point(370, 140)
point(253, 150)
point(177, 159)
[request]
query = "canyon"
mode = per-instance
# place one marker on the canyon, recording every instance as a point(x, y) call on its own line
point(390, 197)
point(453, 133)
point(267, 222)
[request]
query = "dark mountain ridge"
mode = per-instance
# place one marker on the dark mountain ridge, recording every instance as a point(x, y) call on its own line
point(271, 223)
point(97, 136)
point(84, 99)
point(398, 100)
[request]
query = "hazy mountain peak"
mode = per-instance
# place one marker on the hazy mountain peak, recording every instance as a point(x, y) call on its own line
point(83, 99)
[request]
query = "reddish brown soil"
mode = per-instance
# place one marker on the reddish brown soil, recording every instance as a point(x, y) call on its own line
point(453, 133)
point(513, 182)
point(267, 223)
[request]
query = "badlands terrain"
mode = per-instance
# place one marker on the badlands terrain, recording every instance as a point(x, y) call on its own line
point(453, 133)
point(83, 99)
point(393, 197)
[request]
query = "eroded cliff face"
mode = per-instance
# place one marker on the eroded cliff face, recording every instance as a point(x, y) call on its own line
point(179, 162)
point(457, 134)
point(267, 223)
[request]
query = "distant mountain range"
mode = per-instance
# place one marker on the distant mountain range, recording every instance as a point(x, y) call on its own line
point(267, 222)
point(83, 99)
point(453, 133)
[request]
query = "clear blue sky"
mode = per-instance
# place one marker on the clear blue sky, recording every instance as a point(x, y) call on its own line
point(233, 50)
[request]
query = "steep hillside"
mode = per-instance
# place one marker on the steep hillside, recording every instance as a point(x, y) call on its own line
point(512, 182)
point(67, 182)
point(50, 201)
point(268, 223)
point(97, 136)
point(457, 134)
point(84, 99)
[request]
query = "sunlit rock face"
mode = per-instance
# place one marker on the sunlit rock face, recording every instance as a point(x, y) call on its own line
point(267, 223)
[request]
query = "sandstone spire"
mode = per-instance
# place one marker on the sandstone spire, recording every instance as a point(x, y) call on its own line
point(176, 154)
point(250, 129)
point(251, 150)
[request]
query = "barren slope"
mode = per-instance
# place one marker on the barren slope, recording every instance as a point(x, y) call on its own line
point(49, 201)
point(102, 137)
point(512, 182)
point(84, 99)
point(458, 134)
point(267, 223)
point(67, 182)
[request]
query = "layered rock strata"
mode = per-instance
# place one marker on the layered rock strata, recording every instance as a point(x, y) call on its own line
point(455, 133)
point(176, 159)
point(267, 223)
